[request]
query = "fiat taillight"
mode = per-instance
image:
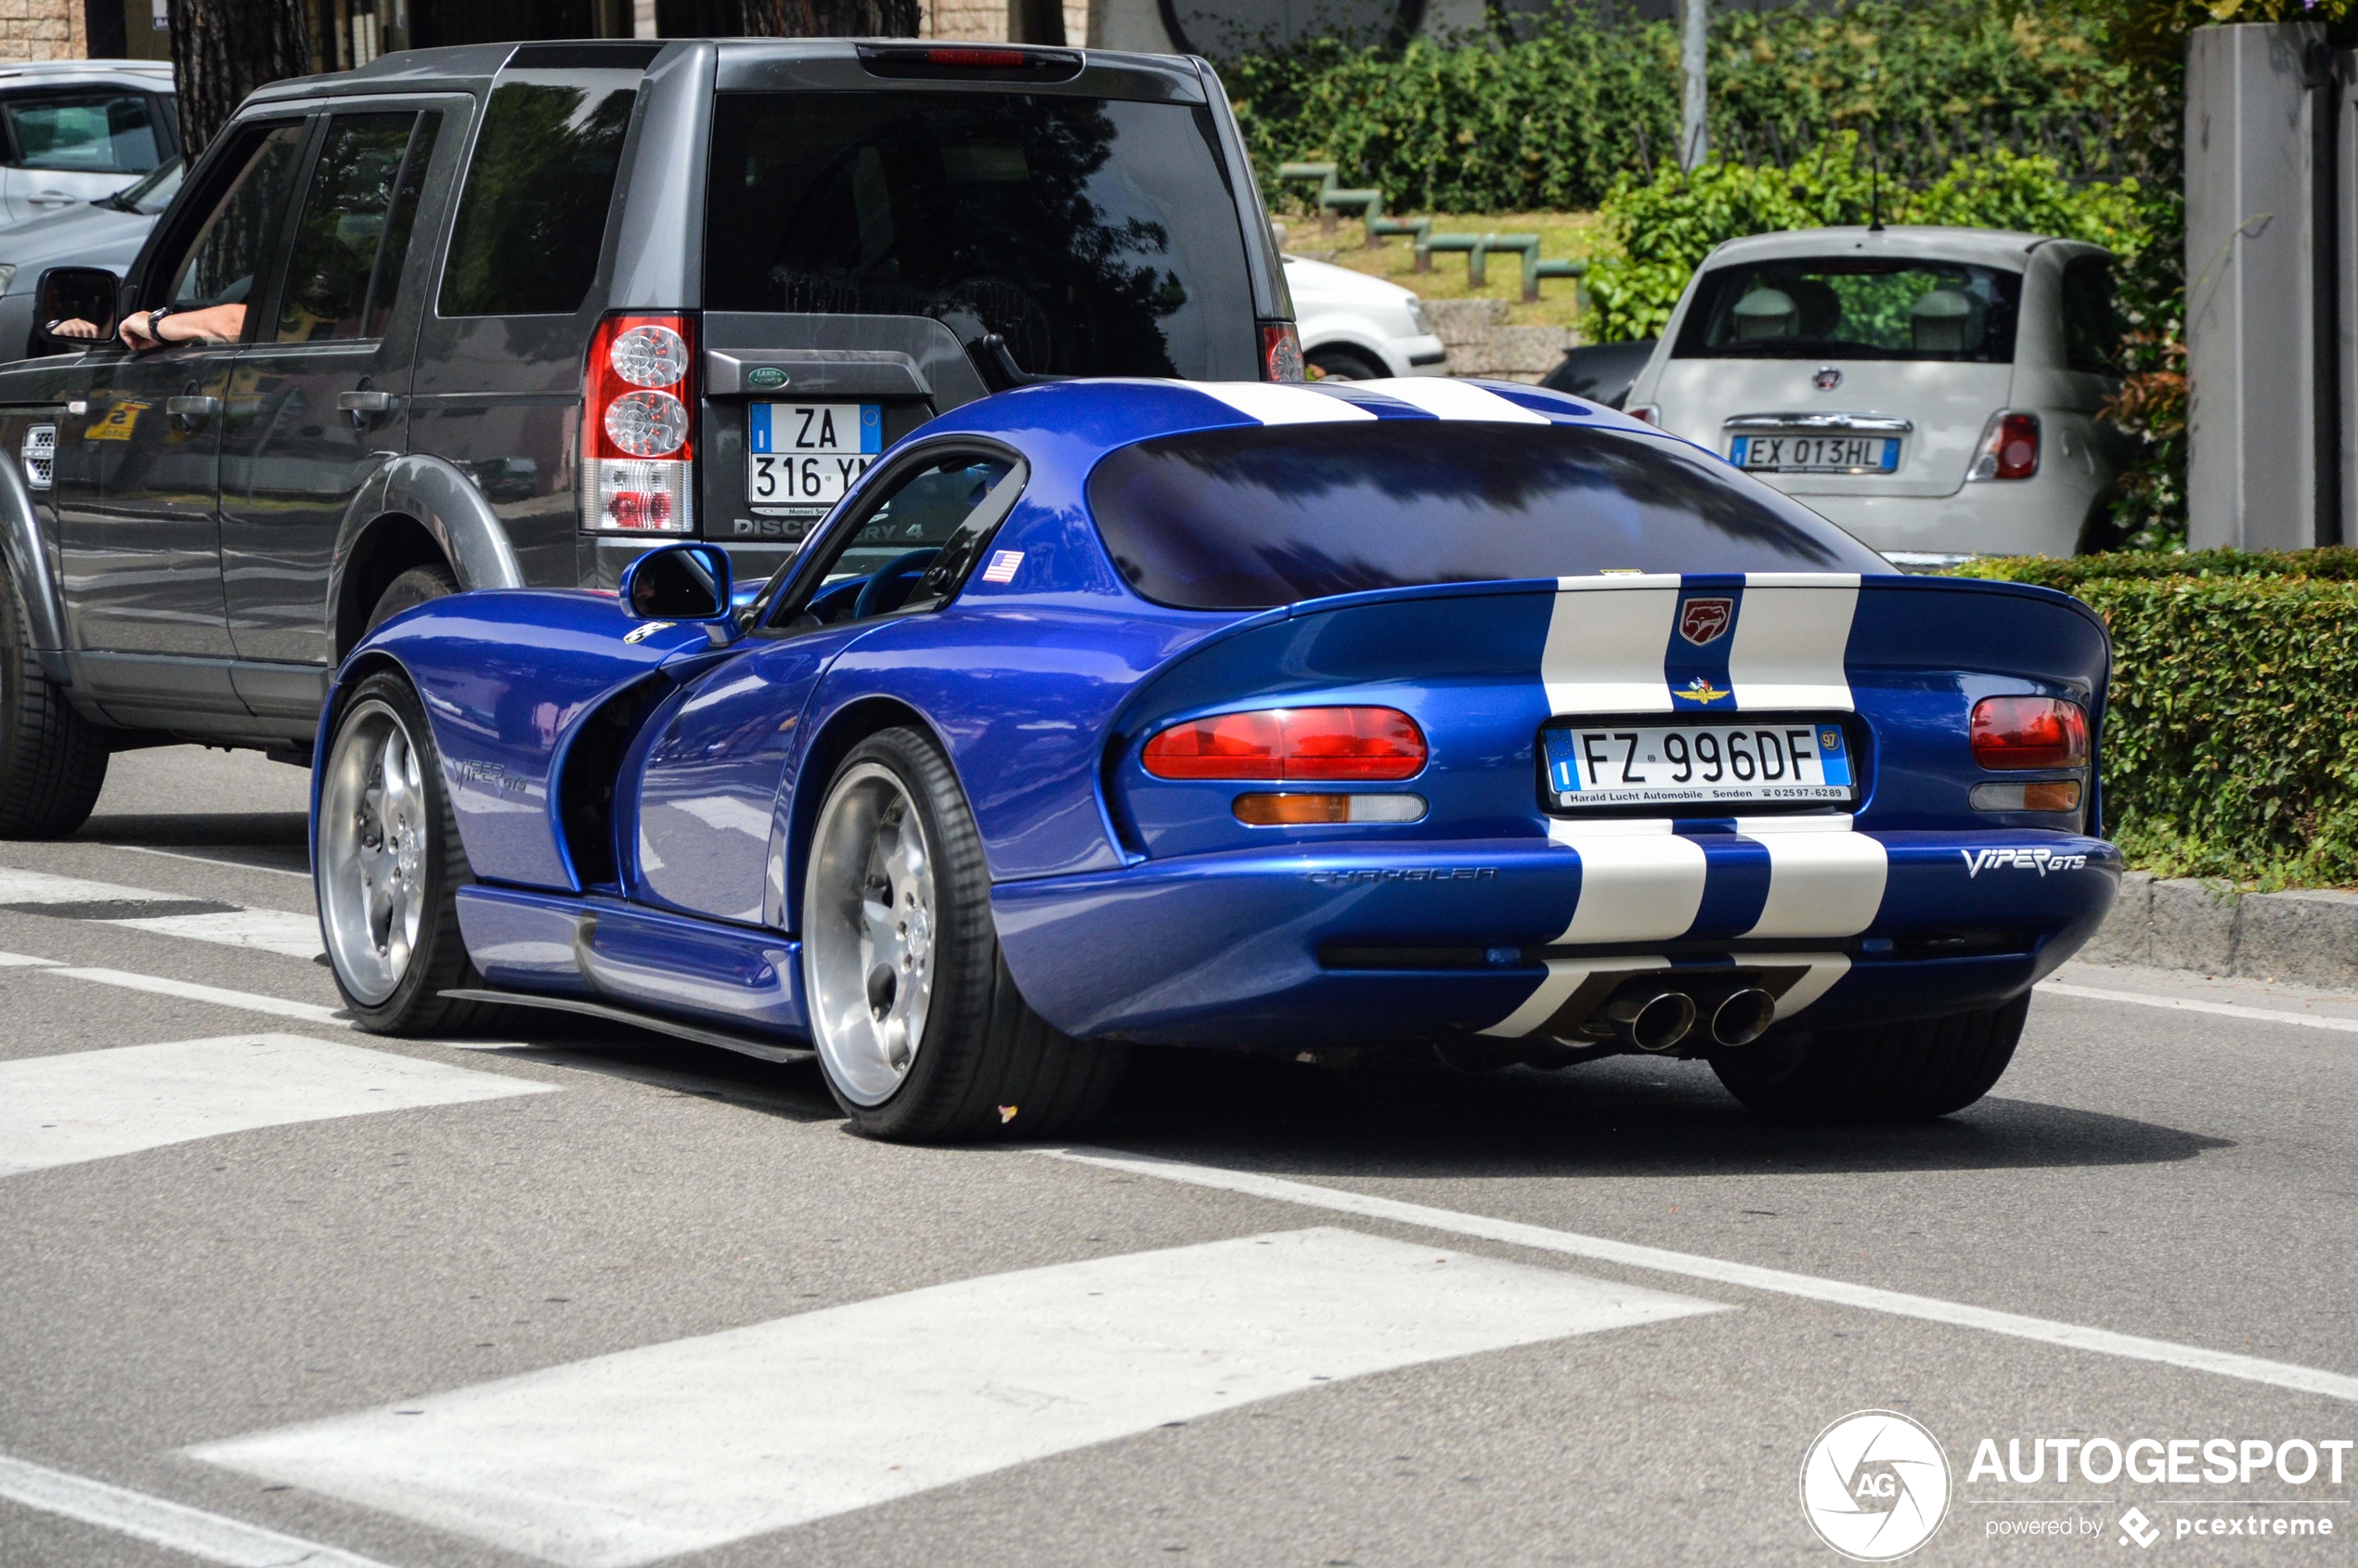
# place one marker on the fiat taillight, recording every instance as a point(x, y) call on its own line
point(1330, 744)
point(2010, 732)
point(2009, 447)
point(638, 426)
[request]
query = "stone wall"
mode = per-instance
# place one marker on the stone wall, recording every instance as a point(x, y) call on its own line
point(42, 29)
point(985, 20)
point(1482, 344)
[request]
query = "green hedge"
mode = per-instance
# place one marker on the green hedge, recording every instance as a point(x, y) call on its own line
point(1664, 225)
point(1545, 121)
point(2230, 745)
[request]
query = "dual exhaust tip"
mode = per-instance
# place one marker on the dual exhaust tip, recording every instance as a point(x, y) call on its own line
point(1658, 1020)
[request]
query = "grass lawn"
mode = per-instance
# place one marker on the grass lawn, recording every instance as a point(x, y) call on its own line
point(1572, 236)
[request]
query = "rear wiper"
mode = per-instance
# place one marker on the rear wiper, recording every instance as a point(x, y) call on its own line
point(993, 361)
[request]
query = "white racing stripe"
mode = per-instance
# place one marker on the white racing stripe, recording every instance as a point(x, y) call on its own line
point(1606, 642)
point(1275, 403)
point(680, 1448)
point(1834, 1292)
point(209, 1537)
point(1825, 968)
point(1447, 399)
point(97, 1105)
point(1824, 880)
point(1640, 882)
point(1565, 976)
point(1789, 642)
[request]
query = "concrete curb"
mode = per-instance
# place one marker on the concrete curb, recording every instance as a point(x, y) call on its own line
point(2186, 923)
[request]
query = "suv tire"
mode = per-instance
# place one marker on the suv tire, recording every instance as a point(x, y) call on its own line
point(52, 761)
point(415, 586)
point(982, 1064)
point(1909, 1072)
point(397, 848)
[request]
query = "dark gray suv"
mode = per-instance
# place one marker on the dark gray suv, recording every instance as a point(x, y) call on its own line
point(508, 314)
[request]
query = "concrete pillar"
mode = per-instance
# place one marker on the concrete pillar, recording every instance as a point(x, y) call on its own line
point(2250, 253)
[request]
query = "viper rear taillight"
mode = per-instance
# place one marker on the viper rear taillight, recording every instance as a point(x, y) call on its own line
point(638, 426)
point(2011, 733)
point(1330, 744)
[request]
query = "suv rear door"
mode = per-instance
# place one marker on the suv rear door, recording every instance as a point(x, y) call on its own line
point(316, 402)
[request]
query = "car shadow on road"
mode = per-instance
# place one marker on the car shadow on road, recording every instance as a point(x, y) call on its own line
point(274, 840)
point(1621, 1117)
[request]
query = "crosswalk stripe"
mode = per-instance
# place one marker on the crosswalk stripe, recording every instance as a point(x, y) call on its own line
point(271, 930)
point(680, 1448)
point(125, 979)
point(95, 1105)
point(210, 1537)
point(1722, 1271)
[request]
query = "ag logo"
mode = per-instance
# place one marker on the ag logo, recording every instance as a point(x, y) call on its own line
point(1827, 378)
point(765, 378)
point(1874, 1486)
point(1704, 619)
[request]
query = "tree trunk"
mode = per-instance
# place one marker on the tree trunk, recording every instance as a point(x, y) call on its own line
point(223, 49)
point(830, 18)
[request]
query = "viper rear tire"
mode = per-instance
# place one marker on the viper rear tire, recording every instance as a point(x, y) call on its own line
point(921, 1031)
point(1909, 1072)
point(52, 761)
point(389, 869)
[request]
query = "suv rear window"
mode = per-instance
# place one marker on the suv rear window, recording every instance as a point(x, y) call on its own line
point(1098, 235)
point(1249, 518)
point(1853, 307)
point(533, 221)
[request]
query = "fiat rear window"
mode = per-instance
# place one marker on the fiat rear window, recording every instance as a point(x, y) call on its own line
point(1098, 237)
point(1853, 307)
point(1249, 518)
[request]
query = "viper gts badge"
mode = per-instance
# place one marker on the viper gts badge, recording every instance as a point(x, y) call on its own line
point(1701, 689)
point(640, 633)
point(2042, 861)
point(1705, 620)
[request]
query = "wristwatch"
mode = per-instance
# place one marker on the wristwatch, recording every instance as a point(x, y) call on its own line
point(154, 316)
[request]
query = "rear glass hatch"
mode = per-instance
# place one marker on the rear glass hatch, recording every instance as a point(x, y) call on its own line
point(878, 254)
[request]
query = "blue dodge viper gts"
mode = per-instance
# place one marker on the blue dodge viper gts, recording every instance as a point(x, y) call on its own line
point(1476, 719)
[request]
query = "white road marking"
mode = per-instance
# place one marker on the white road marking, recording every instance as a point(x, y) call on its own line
point(273, 931)
point(277, 1007)
point(95, 1105)
point(212, 1538)
point(1836, 1292)
point(210, 859)
point(681, 1448)
point(2192, 1005)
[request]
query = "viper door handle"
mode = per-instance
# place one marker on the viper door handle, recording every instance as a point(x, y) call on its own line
point(192, 407)
point(364, 402)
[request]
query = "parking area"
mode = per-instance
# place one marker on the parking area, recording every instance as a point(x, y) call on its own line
point(273, 1290)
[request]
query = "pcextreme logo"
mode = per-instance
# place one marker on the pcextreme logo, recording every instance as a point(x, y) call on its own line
point(1874, 1486)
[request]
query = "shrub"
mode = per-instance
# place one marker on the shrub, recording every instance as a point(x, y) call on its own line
point(1664, 225)
point(2231, 739)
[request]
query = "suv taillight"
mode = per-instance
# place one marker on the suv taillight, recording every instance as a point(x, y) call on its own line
point(1281, 353)
point(638, 426)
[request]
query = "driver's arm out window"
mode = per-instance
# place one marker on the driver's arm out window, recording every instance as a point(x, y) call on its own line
point(242, 232)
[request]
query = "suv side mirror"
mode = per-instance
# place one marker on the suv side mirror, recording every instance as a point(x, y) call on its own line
point(681, 582)
point(72, 297)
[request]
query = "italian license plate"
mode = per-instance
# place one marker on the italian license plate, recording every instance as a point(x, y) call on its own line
point(1598, 765)
point(1816, 454)
point(808, 454)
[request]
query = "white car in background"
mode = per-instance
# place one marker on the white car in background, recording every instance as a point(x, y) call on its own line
point(77, 130)
point(1933, 391)
point(1358, 328)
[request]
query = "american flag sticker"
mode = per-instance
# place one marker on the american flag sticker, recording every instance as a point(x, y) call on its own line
point(1003, 567)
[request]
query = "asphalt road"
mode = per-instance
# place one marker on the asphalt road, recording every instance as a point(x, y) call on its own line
point(272, 1290)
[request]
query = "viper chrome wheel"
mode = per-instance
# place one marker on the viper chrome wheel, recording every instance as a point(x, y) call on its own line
point(870, 916)
point(374, 842)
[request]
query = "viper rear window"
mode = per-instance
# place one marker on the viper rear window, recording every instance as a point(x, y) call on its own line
point(1253, 517)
